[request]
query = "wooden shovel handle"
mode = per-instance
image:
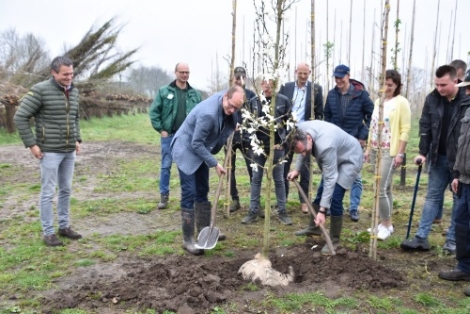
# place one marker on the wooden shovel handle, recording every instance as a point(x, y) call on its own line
point(312, 211)
point(221, 181)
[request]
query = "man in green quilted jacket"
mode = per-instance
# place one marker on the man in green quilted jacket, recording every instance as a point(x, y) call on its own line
point(56, 141)
point(167, 113)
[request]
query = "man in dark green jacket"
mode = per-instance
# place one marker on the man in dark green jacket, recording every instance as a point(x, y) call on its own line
point(167, 113)
point(56, 141)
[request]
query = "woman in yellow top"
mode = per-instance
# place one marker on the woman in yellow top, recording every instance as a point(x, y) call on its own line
point(396, 127)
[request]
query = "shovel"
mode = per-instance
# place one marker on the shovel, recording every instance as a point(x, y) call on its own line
point(208, 237)
point(410, 221)
point(322, 228)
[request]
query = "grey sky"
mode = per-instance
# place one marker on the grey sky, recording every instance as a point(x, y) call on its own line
point(195, 31)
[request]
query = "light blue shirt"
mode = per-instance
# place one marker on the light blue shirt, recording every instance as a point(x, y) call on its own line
point(298, 101)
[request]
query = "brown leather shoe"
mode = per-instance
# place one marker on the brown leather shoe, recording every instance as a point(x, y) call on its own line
point(69, 233)
point(304, 208)
point(52, 240)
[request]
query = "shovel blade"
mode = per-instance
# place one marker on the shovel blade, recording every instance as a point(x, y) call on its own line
point(207, 238)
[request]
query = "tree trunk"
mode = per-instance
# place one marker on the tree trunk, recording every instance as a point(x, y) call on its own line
point(234, 28)
point(350, 29)
point(435, 48)
point(363, 75)
point(384, 30)
point(408, 75)
point(397, 30)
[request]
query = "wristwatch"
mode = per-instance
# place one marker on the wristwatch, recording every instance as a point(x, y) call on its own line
point(401, 155)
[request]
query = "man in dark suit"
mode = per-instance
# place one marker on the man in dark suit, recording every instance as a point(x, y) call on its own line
point(300, 93)
point(202, 135)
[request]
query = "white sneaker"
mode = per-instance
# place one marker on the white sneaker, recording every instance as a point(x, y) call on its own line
point(370, 229)
point(383, 233)
point(382, 226)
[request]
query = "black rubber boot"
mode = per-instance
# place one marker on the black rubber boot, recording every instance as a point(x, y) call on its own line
point(312, 229)
point(203, 217)
point(336, 226)
point(187, 217)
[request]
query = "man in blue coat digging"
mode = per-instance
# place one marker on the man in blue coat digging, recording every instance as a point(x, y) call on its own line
point(202, 135)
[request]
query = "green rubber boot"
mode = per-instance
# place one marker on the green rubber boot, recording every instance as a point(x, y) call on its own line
point(203, 217)
point(336, 225)
point(312, 229)
point(187, 219)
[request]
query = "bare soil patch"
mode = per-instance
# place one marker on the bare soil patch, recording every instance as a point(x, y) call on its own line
point(189, 284)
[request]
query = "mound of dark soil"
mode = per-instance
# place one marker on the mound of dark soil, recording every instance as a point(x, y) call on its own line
point(191, 284)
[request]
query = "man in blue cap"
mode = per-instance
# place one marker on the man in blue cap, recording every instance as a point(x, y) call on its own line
point(349, 106)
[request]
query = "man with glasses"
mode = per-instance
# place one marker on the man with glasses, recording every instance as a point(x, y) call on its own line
point(282, 114)
point(202, 135)
point(167, 112)
point(300, 92)
point(340, 158)
point(349, 106)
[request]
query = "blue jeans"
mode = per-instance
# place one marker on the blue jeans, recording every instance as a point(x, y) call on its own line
point(462, 228)
point(355, 197)
point(278, 177)
point(356, 193)
point(165, 169)
point(194, 187)
point(56, 168)
point(439, 177)
point(336, 207)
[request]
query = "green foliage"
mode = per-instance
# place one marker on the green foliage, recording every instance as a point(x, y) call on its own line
point(426, 299)
point(217, 310)
point(380, 303)
point(328, 48)
point(250, 287)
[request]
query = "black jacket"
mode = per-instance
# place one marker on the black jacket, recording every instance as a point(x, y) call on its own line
point(430, 125)
point(238, 115)
point(282, 115)
point(462, 161)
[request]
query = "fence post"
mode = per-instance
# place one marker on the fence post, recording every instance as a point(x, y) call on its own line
point(403, 172)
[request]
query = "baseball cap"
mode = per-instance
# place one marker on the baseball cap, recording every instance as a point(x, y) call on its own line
point(341, 70)
point(239, 71)
point(466, 80)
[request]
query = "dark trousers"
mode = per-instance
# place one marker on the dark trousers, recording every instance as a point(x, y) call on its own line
point(304, 174)
point(194, 187)
point(462, 228)
point(336, 207)
point(248, 161)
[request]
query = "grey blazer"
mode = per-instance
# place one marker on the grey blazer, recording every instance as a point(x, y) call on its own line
point(338, 154)
point(202, 134)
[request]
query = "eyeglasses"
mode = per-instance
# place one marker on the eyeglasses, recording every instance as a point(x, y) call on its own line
point(235, 108)
point(183, 72)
